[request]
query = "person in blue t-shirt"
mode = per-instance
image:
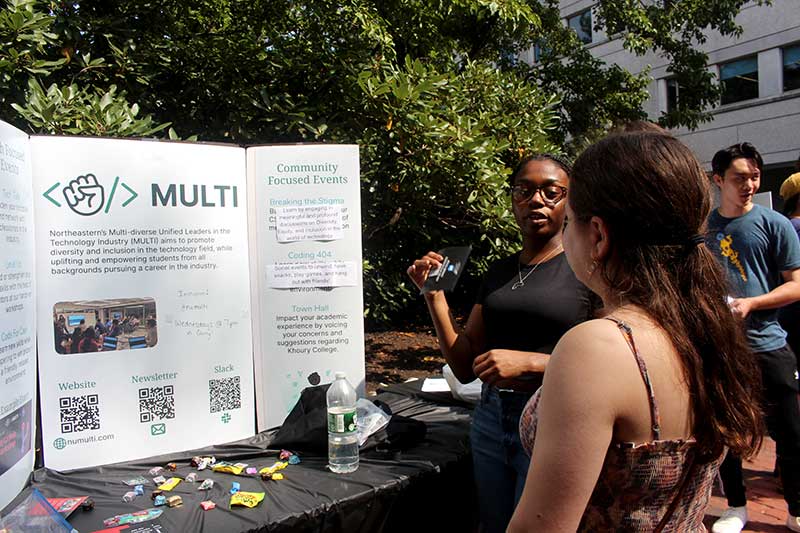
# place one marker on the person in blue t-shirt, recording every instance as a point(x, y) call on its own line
point(760, 251)
point(790, 315)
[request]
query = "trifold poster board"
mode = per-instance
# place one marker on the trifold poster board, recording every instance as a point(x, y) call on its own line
point(147, 256)
point(17, 314)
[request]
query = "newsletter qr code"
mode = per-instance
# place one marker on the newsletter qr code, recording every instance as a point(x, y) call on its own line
point(79, 413)
point(225, 394)
point(156, 403)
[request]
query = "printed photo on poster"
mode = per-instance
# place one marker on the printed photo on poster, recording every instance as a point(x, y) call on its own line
point(15, 436)
point(90, 326)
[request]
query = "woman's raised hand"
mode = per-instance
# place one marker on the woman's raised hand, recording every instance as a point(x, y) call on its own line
point(419, 270)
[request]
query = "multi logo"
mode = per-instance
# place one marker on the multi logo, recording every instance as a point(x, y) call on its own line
point(85, 196)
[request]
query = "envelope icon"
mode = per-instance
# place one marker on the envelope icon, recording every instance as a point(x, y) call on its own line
point(158, 429)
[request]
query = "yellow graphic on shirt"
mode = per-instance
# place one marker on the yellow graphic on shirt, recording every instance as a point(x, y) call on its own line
point(732, 255)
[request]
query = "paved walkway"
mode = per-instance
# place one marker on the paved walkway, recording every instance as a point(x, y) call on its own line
point(765, 504)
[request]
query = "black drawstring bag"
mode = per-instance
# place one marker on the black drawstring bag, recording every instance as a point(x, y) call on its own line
point(306, 427)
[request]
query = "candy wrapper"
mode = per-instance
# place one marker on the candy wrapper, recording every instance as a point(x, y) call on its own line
point(129, 497)
point(279, 465)
point(235, 487)
point(207, 505)
point(206, 484)
point(64, 506)
point(170, 484)
point(139, 490)
point(156, 493)
point(136, 481)
point(191, 478)
point(229, 468)
point(172, 467)
point(87, 505)
point(294, 460)
point(277, 476)
point(132, 518)
point(247, 499)
point(174, 501)
point(155, 471)
point(251, 470)
point(205, 462)
point(160, 500)
point(159, 480)
point(284, 455)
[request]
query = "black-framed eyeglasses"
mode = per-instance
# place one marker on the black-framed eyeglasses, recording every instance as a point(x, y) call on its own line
point(551, 194)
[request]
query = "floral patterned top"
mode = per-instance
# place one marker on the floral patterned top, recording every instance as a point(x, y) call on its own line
point(638, 482)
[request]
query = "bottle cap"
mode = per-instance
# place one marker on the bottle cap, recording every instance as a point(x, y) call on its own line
point(340, 375)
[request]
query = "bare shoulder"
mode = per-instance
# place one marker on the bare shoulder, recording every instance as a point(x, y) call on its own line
point(593, 344)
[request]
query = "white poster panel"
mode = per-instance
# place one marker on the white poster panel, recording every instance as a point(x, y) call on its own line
point(144, 323)
point(305, 219)
point(18, 312)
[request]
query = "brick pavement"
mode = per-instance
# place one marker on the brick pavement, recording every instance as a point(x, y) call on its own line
point(765, 505)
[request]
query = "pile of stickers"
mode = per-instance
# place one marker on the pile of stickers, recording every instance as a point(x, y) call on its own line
point(164, 485)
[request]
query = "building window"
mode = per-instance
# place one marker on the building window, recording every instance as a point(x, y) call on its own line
point(673, 90)
point(581, 24)
point(739, 80)
point(791, 67)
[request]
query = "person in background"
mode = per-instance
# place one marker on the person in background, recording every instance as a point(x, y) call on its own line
point(89, 343)
point(760, 252)
point(789, 316)
point(77, 335)
point(527, 301)
point(151, 336)
point(61, 334)
point(115, 330)
point(638, 407)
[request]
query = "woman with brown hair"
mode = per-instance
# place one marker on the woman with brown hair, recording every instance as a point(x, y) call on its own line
point(637, 409)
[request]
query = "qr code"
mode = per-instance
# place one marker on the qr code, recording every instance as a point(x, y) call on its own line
point(225, 394)
point(79, 413)
point(156, 403)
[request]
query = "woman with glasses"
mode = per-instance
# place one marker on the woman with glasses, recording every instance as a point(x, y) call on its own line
point(526, 302)
point(638, 408)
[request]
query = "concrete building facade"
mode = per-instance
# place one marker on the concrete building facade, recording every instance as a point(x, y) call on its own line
point(760, 73)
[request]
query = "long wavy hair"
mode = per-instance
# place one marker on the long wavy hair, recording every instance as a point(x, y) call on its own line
point(655, 198)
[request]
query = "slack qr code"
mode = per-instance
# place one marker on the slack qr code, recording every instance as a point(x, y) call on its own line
point(156, 403)
point(79, 413)
point(225, 394)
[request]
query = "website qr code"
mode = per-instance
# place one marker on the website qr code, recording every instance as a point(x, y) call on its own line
point(156, 403)
point(79, 413)
point(225, 394)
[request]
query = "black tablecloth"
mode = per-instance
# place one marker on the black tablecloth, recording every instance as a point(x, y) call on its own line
point(426, 488)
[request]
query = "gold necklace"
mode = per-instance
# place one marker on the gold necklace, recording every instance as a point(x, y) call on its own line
point(521, 282)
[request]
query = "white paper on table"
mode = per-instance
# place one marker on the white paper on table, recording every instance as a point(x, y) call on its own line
point(470, 392)
point(312, 274)
point(309, 223)
point(435, 385)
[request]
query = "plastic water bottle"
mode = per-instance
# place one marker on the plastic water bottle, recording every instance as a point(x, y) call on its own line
point(342, 426)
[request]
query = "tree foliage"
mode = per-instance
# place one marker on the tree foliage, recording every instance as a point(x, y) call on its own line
point(430, 89)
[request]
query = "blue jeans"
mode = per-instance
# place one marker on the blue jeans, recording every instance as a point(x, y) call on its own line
point(499, 461)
